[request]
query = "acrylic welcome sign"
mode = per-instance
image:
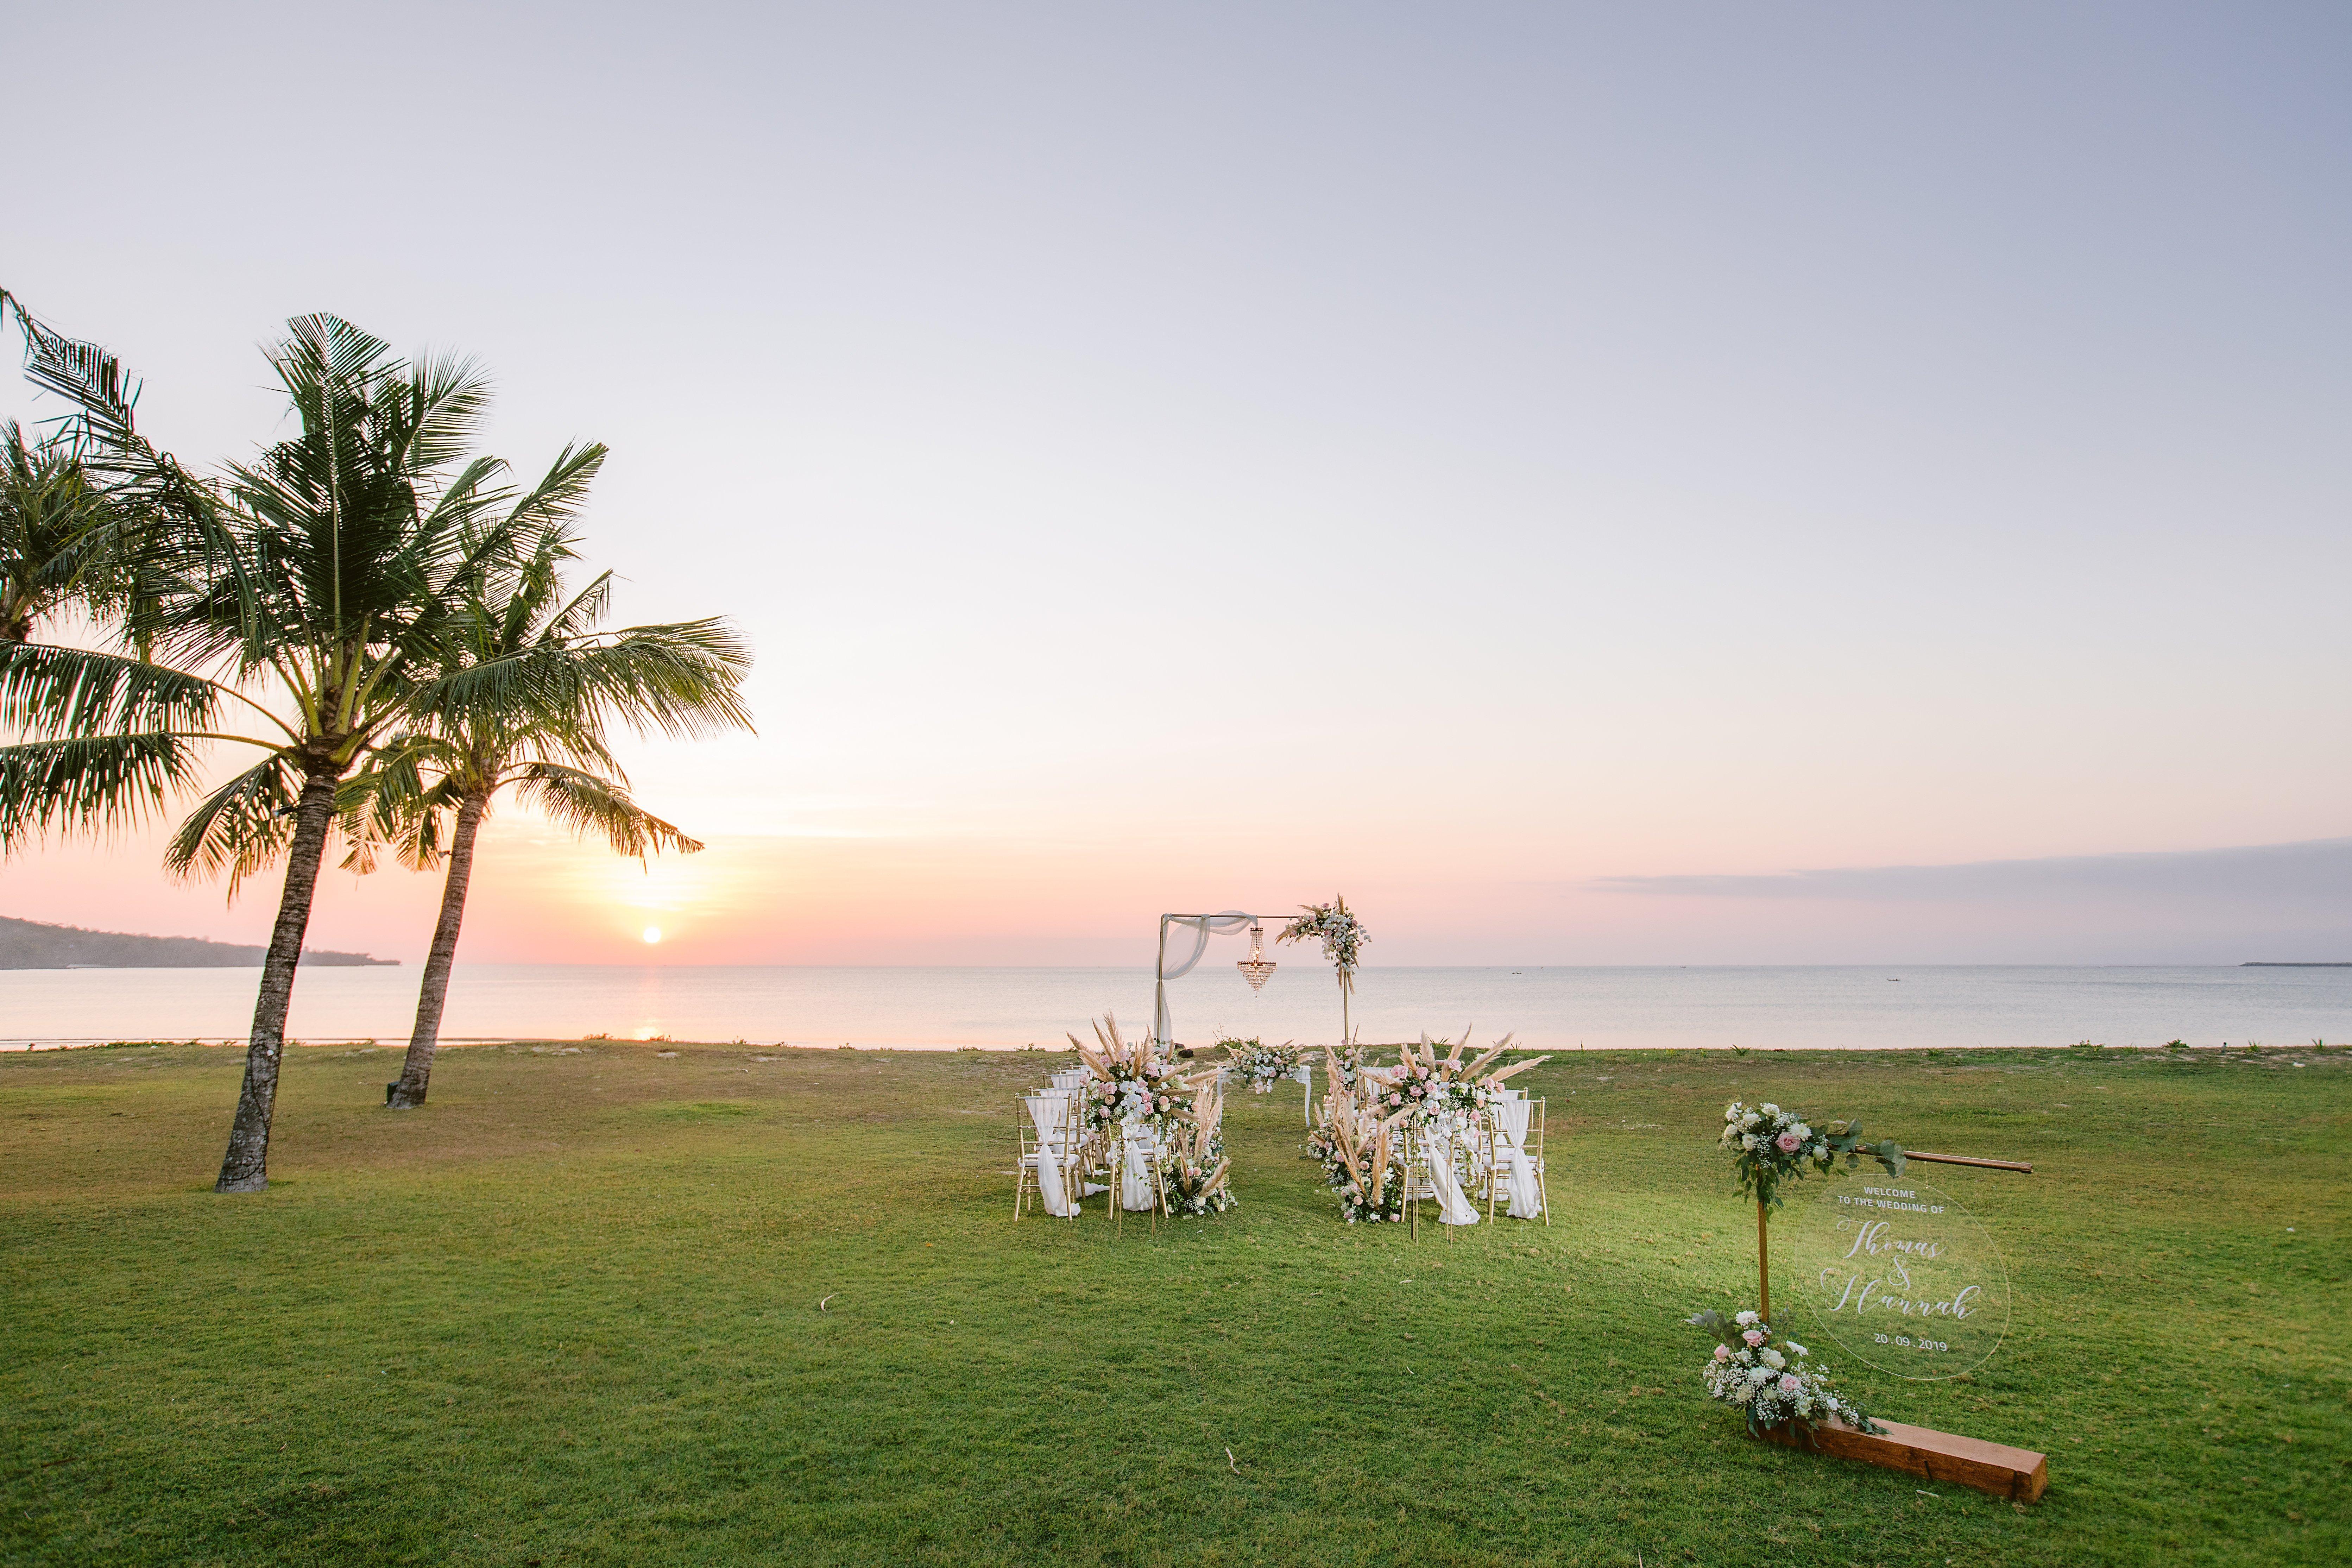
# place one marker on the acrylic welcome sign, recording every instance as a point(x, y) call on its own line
point(1898, 1274)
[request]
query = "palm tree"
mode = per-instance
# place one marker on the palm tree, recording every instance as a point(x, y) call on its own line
point(543, 737)
point(320, 590)
point(54, 536)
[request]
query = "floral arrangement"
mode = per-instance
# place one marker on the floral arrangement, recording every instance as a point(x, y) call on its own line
point(1192, 1164)
point(1343, 1063)
point(1260, 1065)
point(1126, 1083)
point(1772, 1381)
point(1424, 1086)
point(1769, 1145)
point(1342, 935)
point(1352, 1144)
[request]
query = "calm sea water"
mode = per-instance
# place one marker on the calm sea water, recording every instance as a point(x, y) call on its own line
point(1843, 1008)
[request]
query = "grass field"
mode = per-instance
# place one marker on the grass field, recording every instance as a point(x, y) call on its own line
point(569, 1314)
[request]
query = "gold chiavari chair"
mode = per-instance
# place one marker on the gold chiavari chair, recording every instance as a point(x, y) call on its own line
point(1497, 1164)
point(1141, 1144)
point(1543, 1177)
point(1044, 1126)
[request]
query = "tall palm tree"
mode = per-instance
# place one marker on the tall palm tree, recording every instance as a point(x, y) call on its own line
point(318, 590)
point(542, 736)
point(55, 534)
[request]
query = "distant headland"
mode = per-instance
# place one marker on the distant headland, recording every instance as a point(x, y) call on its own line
point(2298, 963)
point(31, 944)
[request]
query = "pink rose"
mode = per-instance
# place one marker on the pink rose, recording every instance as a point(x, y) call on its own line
point(1789, 1382)
point(1787, 1143)
point(1396, 1100)
point(1754, 1336)
point(1723, 1353)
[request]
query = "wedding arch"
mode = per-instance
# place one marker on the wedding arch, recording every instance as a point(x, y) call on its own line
point(1333, 924)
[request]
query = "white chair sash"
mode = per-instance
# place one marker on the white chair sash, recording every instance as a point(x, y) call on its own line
point(1049, 1114)
point(1510, 1148)
point(1136, 1193)
point(1453, 1206)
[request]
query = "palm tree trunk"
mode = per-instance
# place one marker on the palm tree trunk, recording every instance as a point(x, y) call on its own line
point(416, 1069)
point(246, 1167)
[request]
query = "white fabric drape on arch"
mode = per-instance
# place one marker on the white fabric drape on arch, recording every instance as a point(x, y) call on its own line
point(1202, 927)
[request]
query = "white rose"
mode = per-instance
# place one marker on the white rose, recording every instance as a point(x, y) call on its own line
point(1732, 1112)
point(1759, 1374)
point(1750, 1119)
point(1771, 1110)
point(1743, 1394)
point(1803, 1131)
point(1772, 1359)
point(1747, 1140)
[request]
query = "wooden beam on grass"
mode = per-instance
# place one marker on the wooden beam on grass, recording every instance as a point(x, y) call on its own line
point(2020, 1475)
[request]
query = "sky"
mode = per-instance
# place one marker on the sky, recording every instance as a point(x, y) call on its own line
point(1593, 484)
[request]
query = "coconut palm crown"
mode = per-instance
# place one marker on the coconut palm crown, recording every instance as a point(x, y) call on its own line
point(537, 728)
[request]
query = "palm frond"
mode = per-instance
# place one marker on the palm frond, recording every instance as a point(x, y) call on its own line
point(585, 804)
point(49, 691)
point(89, 784)
point(240, 828)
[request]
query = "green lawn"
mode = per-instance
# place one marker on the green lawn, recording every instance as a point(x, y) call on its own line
point(569, 1314)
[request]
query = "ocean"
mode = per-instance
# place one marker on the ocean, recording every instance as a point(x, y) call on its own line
point(1559, 1008)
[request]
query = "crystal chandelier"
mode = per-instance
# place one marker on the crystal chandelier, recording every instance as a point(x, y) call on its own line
point(1257, 969)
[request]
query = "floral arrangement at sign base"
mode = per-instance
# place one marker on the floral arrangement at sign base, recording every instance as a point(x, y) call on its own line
point(1771, 1381)
point(1260, 1064)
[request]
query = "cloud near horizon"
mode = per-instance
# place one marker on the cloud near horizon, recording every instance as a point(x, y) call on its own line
point(2315, 871)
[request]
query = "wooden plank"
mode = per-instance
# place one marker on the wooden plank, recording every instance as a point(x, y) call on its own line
point(2018, 1474)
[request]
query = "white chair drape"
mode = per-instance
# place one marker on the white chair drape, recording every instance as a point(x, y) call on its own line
point(1454, 1207)
point(1050, 1115)
point(1136, 1192)
point(1510, 1147)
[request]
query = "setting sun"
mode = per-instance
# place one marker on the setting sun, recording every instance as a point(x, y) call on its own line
point(653, 934)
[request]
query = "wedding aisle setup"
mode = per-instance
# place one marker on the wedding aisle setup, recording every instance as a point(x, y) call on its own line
point(1140, 1123)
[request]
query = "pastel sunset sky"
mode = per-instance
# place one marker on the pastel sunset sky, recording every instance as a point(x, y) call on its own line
point(1662, 484)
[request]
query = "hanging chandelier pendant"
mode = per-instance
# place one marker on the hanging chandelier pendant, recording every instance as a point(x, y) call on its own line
point(1257, 968)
